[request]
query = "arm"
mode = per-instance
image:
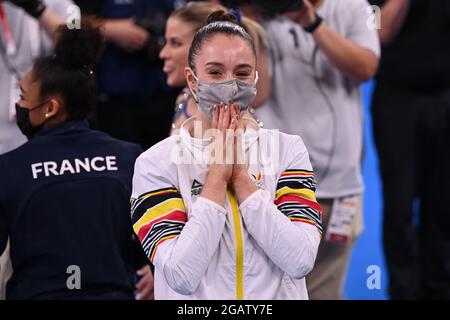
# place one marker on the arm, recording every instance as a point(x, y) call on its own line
point(3, 235)
point(289, 228)
point(124, 33)
point(354, 60)
point(49, 20)
point(179, 248)
point(393, 16)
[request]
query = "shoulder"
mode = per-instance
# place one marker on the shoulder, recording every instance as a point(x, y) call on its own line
point(283, 148)
point(59, 7)
point(284, 140)
point(345, 11)
point(16, 153)
point(343, 6)
point(105, 141)
point(154, 169)
point(159, 156)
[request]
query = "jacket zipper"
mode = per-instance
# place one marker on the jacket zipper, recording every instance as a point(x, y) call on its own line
point(239, 247)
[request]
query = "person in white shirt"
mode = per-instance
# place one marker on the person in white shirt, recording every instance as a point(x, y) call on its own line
point(321, 53)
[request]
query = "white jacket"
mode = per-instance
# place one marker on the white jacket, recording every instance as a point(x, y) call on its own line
point(261, 249)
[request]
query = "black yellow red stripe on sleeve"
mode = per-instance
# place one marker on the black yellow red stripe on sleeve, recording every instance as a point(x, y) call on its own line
point(295, 197)
point(158, 216)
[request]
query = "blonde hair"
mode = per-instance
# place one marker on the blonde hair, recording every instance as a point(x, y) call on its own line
point(196, 14)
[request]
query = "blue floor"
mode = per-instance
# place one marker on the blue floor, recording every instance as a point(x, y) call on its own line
point(368, 251)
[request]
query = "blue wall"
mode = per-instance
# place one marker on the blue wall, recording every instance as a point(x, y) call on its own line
point(368, 250)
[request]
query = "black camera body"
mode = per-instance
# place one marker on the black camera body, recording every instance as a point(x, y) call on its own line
point(267, 6)
point(155, 26)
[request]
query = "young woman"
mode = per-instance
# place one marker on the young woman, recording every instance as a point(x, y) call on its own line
point(225, 210)
point(181, 27)
point(64, 195)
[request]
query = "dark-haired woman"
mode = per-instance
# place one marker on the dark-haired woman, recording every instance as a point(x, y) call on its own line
point(224, 209)
point(64, 195)
point(181, 27)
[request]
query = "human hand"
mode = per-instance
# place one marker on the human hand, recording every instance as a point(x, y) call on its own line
point(222, 153)
point(34, 8)
point(126, 34)
point(305, 16)
point(240, 166)
point(144, 287)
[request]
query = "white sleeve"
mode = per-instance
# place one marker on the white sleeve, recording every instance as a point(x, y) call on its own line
point(60, 8)
point(288, 228)
point(179, 247)
point(357, 14)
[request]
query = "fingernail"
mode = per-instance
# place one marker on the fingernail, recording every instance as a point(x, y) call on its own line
point(137, 297)
point(232, 121)
point(226, 108)
point(215, 107)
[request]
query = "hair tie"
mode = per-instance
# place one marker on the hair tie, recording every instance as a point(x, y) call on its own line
point(236, 13)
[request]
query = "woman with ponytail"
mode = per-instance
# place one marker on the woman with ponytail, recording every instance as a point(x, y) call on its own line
point(225, 209)
point(64, 195)
point(181, 27)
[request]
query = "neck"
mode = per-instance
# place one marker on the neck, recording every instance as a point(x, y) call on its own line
point(57, 119)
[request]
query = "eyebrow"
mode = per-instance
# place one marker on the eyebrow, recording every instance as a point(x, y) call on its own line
point(218, 64)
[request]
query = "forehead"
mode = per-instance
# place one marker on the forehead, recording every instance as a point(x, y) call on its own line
point(27, 78)
point(178, 27)
point(229, 50)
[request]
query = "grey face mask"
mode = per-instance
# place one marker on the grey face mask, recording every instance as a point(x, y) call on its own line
point(232, 91)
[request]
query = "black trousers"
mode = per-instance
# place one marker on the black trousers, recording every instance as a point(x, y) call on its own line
point(412, 135)
point(143, 122)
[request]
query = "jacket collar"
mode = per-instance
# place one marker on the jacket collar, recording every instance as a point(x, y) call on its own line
point(60, 128)
point(200, 147)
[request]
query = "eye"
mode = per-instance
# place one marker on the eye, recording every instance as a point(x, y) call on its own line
point(21, 97)
point(242, 74)
point(175, 43)
point(214, 73)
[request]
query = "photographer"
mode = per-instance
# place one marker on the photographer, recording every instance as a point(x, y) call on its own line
point(321, 52)
point(131, 83)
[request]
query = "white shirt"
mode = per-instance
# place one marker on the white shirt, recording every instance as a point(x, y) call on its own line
point(313, 99)
point(31, 41)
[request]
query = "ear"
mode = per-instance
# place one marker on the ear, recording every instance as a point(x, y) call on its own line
point(54, 108)
point(190, 78)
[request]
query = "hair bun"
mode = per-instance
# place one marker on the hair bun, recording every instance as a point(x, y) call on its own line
point(221, 15)
point(78, 48)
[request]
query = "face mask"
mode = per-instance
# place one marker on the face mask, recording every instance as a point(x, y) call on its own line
point(23, 120)
point(232, 91)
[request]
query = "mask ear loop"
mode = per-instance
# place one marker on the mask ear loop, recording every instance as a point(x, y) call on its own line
point(192, 92)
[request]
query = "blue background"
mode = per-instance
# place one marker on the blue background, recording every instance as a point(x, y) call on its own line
point(368, 250)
